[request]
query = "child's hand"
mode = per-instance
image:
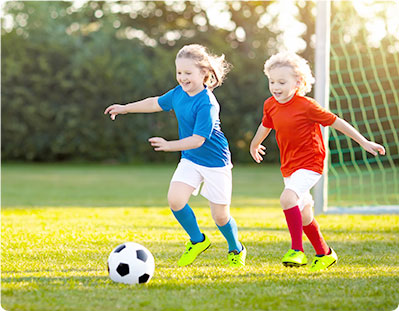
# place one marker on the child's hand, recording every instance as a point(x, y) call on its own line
point(159, 144)
point(114, 110)
point(257, 152)
point(373, 148)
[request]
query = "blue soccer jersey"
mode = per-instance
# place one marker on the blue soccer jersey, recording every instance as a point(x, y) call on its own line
point(199, 114)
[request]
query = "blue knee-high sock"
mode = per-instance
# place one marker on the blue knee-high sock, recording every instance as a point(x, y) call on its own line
point(230, 232)
point(187, 220)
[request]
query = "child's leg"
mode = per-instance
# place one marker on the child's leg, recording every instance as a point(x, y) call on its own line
point(289, 203)
point(178, 196)
point(312, 231)
point(306, 206)
point(226, 224)
point(325, 256)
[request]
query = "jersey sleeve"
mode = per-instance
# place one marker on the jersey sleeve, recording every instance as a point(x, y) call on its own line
point(266, 119)
point(204, 121)
point(165, 101)
point(319, 114)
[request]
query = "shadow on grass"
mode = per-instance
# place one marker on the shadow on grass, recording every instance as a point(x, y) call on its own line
point(293, 290)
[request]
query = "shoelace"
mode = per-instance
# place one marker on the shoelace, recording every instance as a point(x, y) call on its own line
point(188, 250)
point(234, 259)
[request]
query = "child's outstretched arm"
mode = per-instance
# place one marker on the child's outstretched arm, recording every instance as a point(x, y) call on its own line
point(147, 105)
point(347, 129)
point(191, 142)
point(256, 149)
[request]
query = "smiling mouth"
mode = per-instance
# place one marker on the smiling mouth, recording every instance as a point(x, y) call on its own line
point(185, 83)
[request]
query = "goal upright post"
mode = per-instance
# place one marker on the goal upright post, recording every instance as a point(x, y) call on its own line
point(322, 91)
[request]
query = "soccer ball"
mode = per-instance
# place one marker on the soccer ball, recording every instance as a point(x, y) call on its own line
point(131, 263)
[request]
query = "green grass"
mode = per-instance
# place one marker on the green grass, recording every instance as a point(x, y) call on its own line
point(59, 223)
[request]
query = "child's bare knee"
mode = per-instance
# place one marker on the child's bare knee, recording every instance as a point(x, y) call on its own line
point(288, 199)
point(221, 219)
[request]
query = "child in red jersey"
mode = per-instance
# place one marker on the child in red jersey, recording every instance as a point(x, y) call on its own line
point(296, 120)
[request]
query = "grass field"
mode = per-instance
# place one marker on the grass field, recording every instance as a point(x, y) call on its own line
point(59, 223)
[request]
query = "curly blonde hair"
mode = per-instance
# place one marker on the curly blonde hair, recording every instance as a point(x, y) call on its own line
point(298, 64)
point(216, 66)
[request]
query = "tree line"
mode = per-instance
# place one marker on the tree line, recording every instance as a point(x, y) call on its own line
point(61, 66)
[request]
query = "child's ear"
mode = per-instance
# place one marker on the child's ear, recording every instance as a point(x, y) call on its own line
point(204, 71)
point(299, 82)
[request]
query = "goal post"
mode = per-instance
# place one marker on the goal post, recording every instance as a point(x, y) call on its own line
point(322, 91)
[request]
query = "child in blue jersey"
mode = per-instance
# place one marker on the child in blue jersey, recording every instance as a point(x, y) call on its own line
point(205, 155)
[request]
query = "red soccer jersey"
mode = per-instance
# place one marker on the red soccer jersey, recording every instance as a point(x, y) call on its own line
point(298, 132)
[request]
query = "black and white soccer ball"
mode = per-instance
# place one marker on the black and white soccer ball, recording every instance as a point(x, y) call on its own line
point(131, 263)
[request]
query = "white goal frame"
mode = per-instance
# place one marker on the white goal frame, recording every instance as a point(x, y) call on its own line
point(322, 93)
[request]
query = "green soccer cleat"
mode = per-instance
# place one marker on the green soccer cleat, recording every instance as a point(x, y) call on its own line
point(237, 259)
point(320, 263)
point(192, 251)
point(294, 258)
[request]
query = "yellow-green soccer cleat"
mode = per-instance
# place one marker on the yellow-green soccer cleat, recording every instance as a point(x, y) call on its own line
point(320, 263)
point(192, 251)
point(237, 259)
point(294, 258)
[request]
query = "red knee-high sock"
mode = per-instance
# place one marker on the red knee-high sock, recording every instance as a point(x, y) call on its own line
point(315, 237)
point(294, 221)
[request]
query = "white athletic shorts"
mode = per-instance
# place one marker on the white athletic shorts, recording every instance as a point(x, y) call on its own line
point(217, 181)
point(301, 181)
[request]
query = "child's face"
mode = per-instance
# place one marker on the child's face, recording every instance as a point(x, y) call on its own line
point(189, 76)
point(283, 83)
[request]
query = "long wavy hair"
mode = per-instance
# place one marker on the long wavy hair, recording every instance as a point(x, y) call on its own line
point(215, 66)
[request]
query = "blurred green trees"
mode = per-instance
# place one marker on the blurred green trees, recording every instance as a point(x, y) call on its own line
point(64, 62)
point(62, 65)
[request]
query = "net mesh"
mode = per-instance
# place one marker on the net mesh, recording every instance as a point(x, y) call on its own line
point(364, 90)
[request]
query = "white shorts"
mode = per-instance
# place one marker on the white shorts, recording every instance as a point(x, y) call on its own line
point(301, 181)
point(217, 181)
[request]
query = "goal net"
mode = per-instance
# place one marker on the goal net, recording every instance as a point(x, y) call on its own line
point(364, 90)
